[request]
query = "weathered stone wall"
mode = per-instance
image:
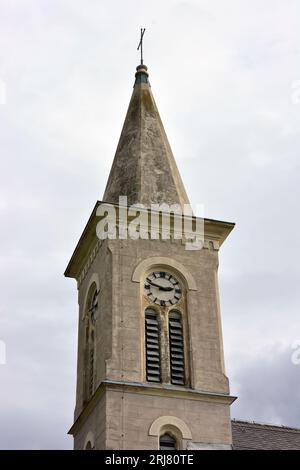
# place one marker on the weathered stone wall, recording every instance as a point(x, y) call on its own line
point(201, 310)
point(130, 416)
point(122, 419)
point(125, 419)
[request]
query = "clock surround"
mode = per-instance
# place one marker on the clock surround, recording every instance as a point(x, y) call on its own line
point(162, 288)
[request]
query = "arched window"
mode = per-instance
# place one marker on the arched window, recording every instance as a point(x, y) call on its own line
point(89, 365)
point(176, 347)
point(166, 331)
point(167, 442)
point(152, 346)
point(91, 362)
point(93, 306)
point(89, 442)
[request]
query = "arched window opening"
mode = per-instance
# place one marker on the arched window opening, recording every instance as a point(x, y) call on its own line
point(167, 442)
point(176, 345)
point(152, 345)
point(88, 446)
point(93, 306)
point(89, 366)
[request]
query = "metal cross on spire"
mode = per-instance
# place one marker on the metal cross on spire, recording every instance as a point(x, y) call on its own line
point(140, 46)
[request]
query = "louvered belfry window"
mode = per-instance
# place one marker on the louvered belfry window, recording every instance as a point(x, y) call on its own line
point(176, 348)
point(152, 340)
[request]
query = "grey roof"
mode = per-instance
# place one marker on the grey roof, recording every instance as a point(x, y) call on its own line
point(144, 167)
point(255, 436)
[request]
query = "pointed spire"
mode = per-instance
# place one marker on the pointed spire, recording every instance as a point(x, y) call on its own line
point(144, 168)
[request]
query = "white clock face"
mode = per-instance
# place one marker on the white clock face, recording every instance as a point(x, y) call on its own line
point(162, 288)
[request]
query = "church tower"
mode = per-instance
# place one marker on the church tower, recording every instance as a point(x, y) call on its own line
point(150, 371)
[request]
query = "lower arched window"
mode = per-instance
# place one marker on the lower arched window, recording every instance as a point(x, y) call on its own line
point(167, 442)
point(176, 345)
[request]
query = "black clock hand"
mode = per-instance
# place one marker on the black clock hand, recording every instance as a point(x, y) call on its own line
point(167, 289)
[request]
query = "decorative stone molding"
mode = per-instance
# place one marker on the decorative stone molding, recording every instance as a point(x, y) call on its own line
point(213, 245)
point(165, 422)
point(161, 261)
point(208, 244)
point(89, 262)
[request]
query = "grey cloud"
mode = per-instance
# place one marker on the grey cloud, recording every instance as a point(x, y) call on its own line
point(268, 387)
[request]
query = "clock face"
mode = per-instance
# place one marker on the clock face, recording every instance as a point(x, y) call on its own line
point(162, 288)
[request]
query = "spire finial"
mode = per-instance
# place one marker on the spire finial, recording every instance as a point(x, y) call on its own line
point(140, 46)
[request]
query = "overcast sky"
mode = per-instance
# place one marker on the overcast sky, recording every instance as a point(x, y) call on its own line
point(224, 76)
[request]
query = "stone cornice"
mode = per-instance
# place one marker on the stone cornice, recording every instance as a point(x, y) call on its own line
point(169, 391)
point(214, 233)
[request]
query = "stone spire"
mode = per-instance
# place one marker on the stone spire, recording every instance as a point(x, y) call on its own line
point(144, 168)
